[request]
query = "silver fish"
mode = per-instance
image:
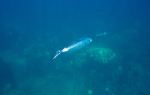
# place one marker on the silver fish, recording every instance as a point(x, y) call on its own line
point(73, 47)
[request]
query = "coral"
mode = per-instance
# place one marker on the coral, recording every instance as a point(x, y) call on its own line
point(96, 53)
point(101, 54)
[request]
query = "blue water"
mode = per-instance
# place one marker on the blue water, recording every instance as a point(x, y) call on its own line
point(31, 31)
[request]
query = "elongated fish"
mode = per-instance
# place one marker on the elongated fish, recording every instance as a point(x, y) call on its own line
point(73, 47)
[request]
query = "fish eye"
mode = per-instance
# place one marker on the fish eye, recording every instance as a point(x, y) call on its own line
point(90, 40)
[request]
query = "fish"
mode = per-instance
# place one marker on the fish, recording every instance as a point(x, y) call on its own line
point(73, 47)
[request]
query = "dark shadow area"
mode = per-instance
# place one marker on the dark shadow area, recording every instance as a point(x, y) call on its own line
point(6, 76)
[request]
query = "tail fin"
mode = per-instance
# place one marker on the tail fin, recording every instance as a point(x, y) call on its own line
point(102, 34)
point(55, 56)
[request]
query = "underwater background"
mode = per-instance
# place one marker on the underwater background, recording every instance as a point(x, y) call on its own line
point(31, 31)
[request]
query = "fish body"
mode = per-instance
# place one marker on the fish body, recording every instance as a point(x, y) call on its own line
point(78, 45)
point(73, 47)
